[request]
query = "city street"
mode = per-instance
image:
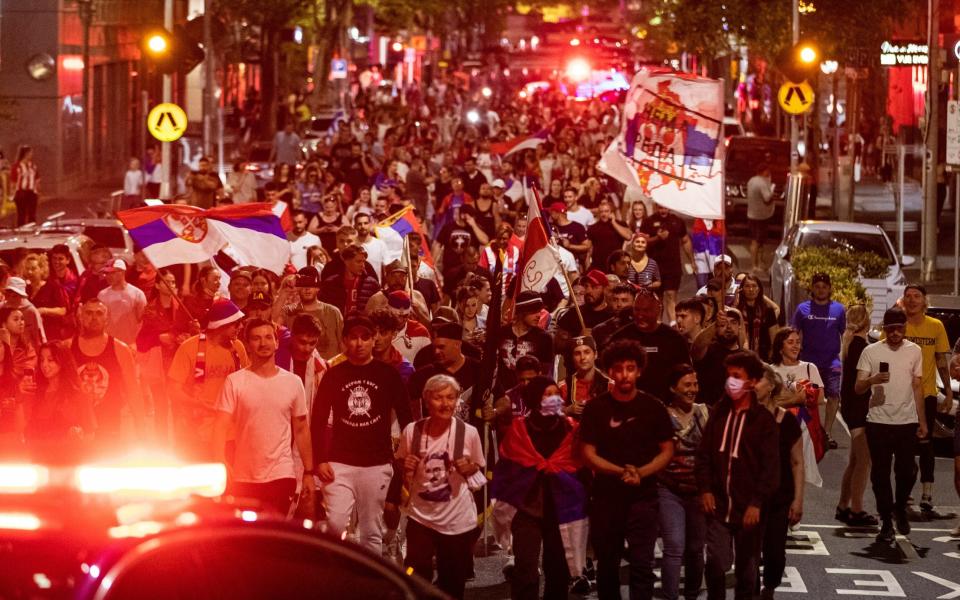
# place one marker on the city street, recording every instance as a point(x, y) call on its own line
point(827, 560)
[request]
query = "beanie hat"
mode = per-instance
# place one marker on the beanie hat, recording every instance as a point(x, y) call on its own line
point(223, 312)
point(399, 300)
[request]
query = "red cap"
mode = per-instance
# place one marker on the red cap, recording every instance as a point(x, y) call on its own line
point(597, 277)
point(558, 207)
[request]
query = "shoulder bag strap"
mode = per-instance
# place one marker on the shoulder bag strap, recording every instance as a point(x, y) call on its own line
point(458, 437)
point(417, 437)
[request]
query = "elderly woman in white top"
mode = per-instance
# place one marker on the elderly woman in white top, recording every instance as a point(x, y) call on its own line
point(442, 460)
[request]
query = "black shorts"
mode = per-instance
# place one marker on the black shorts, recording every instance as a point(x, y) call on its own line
point(669, 281)
point(758, 229)
point(854, 412)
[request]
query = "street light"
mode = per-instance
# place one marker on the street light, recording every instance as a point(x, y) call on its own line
point(829, 67)
point(157, 44)
point(578, 69)
point(808, 54)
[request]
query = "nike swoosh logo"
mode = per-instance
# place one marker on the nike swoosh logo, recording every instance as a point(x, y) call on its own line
point(615, 423)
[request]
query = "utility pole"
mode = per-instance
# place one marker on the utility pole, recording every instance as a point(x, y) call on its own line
point(792, 195)
point(209, 83)
point(928, 248)
point(165, 150)
point(85, 9)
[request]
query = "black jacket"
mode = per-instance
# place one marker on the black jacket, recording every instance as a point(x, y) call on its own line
point(333, 291)
point(738, 460)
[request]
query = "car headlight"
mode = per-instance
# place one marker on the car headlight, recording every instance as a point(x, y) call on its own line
point(733, 190)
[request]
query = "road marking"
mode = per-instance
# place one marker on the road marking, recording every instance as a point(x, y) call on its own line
point(887, 581)
point(952, 554)
point(792, 582)
point(806, 542)
point(955, 593)
point(924, 529)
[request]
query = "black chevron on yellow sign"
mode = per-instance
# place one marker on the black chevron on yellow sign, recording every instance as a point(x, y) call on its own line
point(796, 98)
point(167, 122)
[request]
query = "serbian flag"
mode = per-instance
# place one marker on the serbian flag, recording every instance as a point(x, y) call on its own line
point(520, 143)
point(175, 233)
point(539, 259)
point(397, 226)
point(521, 467)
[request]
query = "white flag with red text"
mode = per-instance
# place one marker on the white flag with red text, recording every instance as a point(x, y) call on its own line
point(540, 258)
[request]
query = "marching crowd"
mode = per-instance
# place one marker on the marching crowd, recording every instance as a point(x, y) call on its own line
point(393, 396)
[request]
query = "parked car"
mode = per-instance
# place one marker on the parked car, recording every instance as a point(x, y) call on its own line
point(105, 232)
point(322, 125)
point(732, 127)
point(14, 242)
point(827, 234)
point(744, 154)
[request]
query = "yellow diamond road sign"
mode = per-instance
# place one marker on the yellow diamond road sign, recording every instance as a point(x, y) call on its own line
point(167, 122)
point(795, 98)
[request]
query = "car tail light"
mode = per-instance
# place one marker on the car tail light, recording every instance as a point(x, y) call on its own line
point(22, 478)
point(19, 521)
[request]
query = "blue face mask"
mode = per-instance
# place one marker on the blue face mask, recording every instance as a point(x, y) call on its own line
point(551, 405)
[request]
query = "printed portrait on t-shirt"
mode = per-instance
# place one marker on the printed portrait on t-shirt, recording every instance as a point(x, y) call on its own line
point(436, 487)
point(94, 381)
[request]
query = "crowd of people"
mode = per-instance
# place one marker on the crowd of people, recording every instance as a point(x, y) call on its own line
point(392, 395)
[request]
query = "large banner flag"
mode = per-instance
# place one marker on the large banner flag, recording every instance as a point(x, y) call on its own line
point(175, 233)
point(517, 144)
point(540, 259)
point(397, 226)
point(670, 144)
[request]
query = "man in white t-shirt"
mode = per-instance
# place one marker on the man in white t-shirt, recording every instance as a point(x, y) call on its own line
point(575, 212)
point(300, 239)
point(376, 249)
point(892, 370)
point(259, 403)
point(125, 304)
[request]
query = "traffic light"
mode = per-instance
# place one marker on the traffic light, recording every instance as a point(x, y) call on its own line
point(171, 51)
point(799, 62)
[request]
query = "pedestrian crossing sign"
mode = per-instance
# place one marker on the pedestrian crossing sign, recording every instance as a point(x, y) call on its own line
point(795, 98)
point(167, 122)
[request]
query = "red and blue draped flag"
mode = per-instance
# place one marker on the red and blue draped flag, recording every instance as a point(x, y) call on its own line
point(520, 143)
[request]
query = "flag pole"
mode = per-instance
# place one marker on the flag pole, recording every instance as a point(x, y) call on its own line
point(566, 276)
point(409, 261)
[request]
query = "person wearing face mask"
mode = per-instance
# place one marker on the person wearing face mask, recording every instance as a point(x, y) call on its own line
point(737, 471)
point(626, 438)
point(538, 492)
point(683, 525)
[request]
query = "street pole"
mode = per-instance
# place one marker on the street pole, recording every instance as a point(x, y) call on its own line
point(835, 143)
point(165, 150)
point(792, 193)
point(956, 210)
point(209, 104)
point(85, 8)
point(928, 249)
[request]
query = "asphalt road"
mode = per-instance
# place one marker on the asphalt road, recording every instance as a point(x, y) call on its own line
point(825, 559)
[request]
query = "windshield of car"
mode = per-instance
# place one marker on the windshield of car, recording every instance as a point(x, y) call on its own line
point(106, 235)
point(848, 240)
point(747, 151)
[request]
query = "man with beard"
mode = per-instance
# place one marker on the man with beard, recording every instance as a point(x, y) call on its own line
point(300, 239)
point(107, 370)
point(375, 248)
point(710, 370)
point(307, 286)
point(607, 234)
point(620, 301)
point(199, 368)
point(472, 177)
point(594, 308)
point(395, 280)
point(665, 348)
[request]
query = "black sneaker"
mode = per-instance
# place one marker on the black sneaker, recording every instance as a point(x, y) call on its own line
point(887, 533)
point(580, 586)
point(862, 519)
point(831, 443)
point(590, 571)
point(843, 515)
point(926, 503)
point(903, 523)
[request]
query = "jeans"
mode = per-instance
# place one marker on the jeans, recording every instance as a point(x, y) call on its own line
point(683, 528)
point(275, 496)
point(927, 459)
point(453, 553)
point(896, 445)
point(364, 488)
point(613, 520)
point(528, 535)
point(728, 545)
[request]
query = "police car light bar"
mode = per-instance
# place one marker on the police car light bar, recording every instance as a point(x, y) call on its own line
point(22, 478)
point(155, 482)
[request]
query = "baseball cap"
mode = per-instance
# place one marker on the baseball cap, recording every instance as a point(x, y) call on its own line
point(117, 265)
point(18, 286)
point(392, 266)
point(894, 316)
point(399, 300)
point(260, 300)
point(358, 320)
point(820, 277)
point(498, 183)
point(241, 272)
point(725, 258)
point(528, 302)
point(597, 277)
point(557, 207)
point(583, 340)
point(448, 331)
point(308, 277)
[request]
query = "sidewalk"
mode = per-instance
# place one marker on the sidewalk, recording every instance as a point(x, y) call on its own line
point(84, 202)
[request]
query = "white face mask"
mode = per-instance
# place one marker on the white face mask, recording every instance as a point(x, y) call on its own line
point(736, 388)
point(551, 405)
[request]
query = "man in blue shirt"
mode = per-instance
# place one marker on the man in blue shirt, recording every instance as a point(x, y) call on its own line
point(821, 322)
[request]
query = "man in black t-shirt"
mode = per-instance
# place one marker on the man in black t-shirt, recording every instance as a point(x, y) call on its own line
point(607, 235)
point(594, 308)
point(523, 338)
point(627, 438)
point(448, 360)
point(462, 232)
point(665, 348)
point(667, 235)
point(570, 234)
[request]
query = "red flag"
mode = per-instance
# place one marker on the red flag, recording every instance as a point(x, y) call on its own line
point(540, 259)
